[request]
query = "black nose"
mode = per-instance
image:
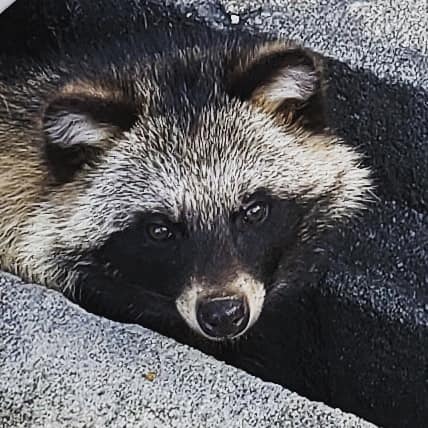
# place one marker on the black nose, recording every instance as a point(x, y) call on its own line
point(223, 317)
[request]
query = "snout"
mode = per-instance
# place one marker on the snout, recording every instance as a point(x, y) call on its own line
point(222, 311)
point(224, 317)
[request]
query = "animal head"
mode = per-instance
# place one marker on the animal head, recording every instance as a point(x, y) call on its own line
point(178, 187)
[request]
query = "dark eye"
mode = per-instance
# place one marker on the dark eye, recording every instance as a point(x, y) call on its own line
point(257, 212)
point(159, 232)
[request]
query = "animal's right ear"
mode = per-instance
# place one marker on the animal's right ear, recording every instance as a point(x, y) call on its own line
point(282, 79)
point(79, 123)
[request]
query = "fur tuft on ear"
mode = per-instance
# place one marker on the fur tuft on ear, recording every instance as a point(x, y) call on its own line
point(82, 115)
point(67, 129)
point(79, 121)
point(281, 79)
point(297, 83)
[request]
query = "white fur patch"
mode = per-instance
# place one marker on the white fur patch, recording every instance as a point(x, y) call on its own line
point(291, 82)
point(243, 284)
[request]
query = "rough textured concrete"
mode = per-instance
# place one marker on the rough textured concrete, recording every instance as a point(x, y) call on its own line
point(4, 4)
point(63, 367)
point(385, 36)
point(358, 339)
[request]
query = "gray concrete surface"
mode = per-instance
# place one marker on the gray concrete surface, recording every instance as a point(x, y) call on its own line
point(63, 367)
point(4, 4)
point(388, 37)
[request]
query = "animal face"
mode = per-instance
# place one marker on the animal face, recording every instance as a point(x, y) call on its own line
point(178, 195)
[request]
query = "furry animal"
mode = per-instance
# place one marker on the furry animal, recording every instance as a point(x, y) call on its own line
point(165, 174)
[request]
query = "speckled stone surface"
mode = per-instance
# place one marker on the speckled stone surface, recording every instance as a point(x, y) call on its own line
point(386, 36)
point(63, 367)
point(4, 4)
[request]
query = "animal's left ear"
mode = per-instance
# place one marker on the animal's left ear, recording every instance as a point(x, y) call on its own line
point(282, 79)
point(79, 124)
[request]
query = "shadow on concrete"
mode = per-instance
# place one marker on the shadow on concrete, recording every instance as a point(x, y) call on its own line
point(390, 123)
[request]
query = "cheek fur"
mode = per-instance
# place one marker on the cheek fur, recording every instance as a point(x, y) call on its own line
point(262, 246)
point(157, 269)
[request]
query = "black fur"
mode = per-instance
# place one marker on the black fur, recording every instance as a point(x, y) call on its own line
point(133, 279)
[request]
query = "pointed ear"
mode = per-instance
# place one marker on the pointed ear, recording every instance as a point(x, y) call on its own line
point(283, 80)
point(78, 124)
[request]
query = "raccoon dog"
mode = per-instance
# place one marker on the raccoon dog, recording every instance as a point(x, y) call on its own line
point(165, 175)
